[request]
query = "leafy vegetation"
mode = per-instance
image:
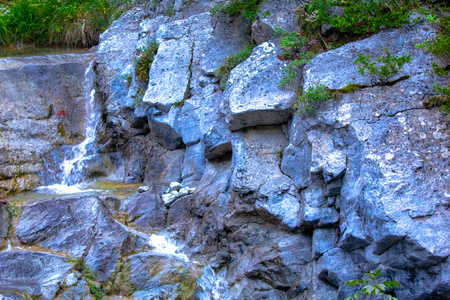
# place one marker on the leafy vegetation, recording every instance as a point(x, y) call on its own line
point(145, 60)
point(244, 8)
point(440, 47)
point(383, 67)
point(371, 287)
point(312, 95)
point(357, 17)
point(231, 62)
point(56, 22)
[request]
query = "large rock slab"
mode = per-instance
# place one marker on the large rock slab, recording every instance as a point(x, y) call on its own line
point(83, 227)
point(171, 72)
point(257, 177)
point(37, 272)
point(254, 95)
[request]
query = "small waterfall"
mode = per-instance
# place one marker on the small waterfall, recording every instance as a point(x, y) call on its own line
point(72, 176)
point(212, 286)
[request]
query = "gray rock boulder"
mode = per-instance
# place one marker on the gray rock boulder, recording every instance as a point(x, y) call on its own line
point(254, 95)
point(83, 227)
point(37, 272)
point(146, 211)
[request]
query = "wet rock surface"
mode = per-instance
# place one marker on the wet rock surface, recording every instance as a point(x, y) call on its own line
point(286, 206)
point(42, 107)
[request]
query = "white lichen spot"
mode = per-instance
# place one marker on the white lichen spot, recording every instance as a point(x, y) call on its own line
point(268, 46)
point(402, 119)
point(445, 153)
point(377, 115)
point(437, 135)
point(262, 56)
point(422, 135)
point(389, 156)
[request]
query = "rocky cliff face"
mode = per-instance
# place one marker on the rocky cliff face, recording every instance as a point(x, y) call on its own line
point(42, 107)
point(288, 206)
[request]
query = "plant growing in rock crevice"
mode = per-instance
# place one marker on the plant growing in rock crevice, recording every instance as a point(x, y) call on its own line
point(245, 8)
point(372, 288)
point(312, 95)
point(383, 67)
point(439, 46)
point(231, 62)
point(144, 61)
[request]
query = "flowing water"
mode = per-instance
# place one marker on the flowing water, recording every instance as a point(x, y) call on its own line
point(71, 177)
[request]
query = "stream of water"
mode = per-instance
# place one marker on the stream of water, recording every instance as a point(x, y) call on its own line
point(72, 176)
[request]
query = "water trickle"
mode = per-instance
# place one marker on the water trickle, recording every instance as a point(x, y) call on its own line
point(212, 286)
point(71, 177)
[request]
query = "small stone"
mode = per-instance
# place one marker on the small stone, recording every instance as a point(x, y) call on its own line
point(70, 280)
point(191, 190)
point(175, 193)
point(175, 186)
point(168, 199)
point(143, 189)
point(183, 192)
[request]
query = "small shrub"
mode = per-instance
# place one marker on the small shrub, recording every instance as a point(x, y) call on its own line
point(292, 43)
point(244, 8)
point(318, 93)
point(291, 71)
point(231, 62)
point(371, 287)
point(145, 60)
point(440, 47)
point(360, 16)
point(383, 67)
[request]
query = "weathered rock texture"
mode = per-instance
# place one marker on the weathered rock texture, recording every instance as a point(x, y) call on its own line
point(286, 206)
point(32, 92)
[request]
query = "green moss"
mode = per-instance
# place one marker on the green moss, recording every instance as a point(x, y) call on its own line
point(351, 87)
point(121, 279)
point(231, 62)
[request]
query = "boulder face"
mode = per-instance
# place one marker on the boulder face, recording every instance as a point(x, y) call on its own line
point(42, 107)
point(285, 206)
point(37, 272)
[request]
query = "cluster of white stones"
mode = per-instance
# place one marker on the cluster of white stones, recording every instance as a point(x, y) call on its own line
point(175, 191)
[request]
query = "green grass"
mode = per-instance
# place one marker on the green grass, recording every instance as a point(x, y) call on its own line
point(56, 22)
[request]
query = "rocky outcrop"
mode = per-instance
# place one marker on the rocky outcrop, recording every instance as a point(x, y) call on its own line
point(42, 107)
point(286, 206)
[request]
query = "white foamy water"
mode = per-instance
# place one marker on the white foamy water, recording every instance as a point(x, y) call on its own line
point(62, 189)
point(165, 246)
